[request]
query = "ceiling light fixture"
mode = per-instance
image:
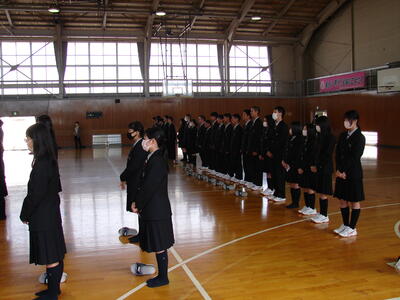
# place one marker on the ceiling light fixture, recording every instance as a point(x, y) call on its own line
point(54, 10)
point(256, 18)
point(160, 13)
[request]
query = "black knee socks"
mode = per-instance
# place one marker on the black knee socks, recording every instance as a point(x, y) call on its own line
point(355, 213)
point(162, 277)
point(295, 195)
point(323, 207)
point(345, 215)
point(53, 282)
point(311, 199)
point(306, 200)
point(2, 208)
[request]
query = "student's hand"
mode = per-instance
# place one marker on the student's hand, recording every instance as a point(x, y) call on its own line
point(344, 176)
point(122, 185)
point(300, 171)
point(134, 209)
point(313, 169)
point(269, 154)
point(338, 174)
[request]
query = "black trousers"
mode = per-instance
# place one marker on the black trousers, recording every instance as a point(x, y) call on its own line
point(226, 163)
point(220, 162)
point(235, 166)
point(77, 140)
point(203, 157)
point(279, 176)
point(247, 171)
point(255, 166)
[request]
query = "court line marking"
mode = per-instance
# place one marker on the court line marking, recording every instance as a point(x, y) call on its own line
point(196, 283)
point(239, 239)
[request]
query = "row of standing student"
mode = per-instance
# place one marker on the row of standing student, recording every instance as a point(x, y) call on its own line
point(300, 156)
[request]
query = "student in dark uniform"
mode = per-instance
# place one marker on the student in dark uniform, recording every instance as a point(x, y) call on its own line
point(186, 133)
point(206, 144)
point(245, 142)
point(349, 187)
point(181, 138)
point(308, 179)
point(190, 142)
point(226, 144)
point(130, 177)
point(201, 130)
point(171, 139)
point(323, 166)
point(3, 186)
point(41, 210)
point(278, 148)
point(218, 138)
point(266, 162)
point(254, 150)
point(153, 205)
point(292, 162)
point(235, 151)
point(212, 159)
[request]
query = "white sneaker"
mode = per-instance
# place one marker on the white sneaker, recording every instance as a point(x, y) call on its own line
point(348, 232)
point(278, 199)
point(249, 185)
point(303, 210)
point(340, 229)
point(397, 265)
point(319, 219)
point(43, 278)
point(310, 211)
point(267, 192)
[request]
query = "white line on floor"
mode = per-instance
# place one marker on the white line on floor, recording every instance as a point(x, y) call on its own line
point(196, 283)
point(239, 239)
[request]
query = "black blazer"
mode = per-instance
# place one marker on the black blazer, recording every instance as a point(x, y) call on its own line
point(218, 138)
point(132, 172)
point(207, 139)
point(279, 141)
point(348, 154)
point(255, 135)
point(245, 137)
point(226, 139)
point(41, 206)
point(324, 154)
point(308, 151)
point(266, 139)
point(214, 132)
point(181, 136)
point(200, 137)
point(236, 140)
point(190, 140)
point(293, 153)
point(152, 197)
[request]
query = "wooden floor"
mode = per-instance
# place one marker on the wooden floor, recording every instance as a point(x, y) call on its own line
point(231, 248)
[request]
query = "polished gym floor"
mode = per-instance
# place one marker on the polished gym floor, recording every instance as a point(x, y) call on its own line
point(226, 247)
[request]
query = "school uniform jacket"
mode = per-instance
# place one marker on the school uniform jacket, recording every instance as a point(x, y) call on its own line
point(236, 140)
point(245, 136)
point(254, 136)
point(214, 131)
point(324, 154)
point(308, 153)
point(152, 197)
point(226, 139)
point(181, 136)
point(348, 154)
point(279, 141)
point(200, 137)
point(190, 140)
point(266, 140)
point(133, 171)
point(41, 206)
point(218, 138)
point(293, 154)
point(207, 139)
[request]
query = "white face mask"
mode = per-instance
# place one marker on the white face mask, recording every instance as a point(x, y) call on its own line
point(347, 124)
point(265, 124)
point(318, 128)
point(187, 119)
point(304, 132)
point(274, 116)
point(146, 145)
point(290, 131)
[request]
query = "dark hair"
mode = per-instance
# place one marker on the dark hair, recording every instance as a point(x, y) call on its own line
point(255, 108)
point(214, 114)
point(202, 117)
point(137, 126)
point(171, 118)
point(311, 132)
point(228, 115)
point(351, 115)
point(236, 116)
point(281, 110)
point(1, 123)
point(220, 117)
point(270, 121)
point(188, 115)
point(76, 122)
point(247, 112)
point(296, 128)
point(182, 121)
point(323, 123)
point(208, 122)
point(42, 142)
point(46, 121)
point(157, 134)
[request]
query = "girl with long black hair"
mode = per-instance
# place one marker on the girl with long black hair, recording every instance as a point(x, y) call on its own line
point(153, 206)
point(41, 209)
point(323, 166)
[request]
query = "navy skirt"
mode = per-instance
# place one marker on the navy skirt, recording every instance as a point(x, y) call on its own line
point(308, 180)
point(351, 190)
point(324, 183)
point(156, 235)
point(46, 247)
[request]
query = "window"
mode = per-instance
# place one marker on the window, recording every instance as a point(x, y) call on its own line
point(246, 69)
point(28, 68)
point(103, 68)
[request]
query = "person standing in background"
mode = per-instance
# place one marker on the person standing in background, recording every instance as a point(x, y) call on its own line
point(245, 140)
point(77, 136)
point(235, 164)
point(3, 186)
point(171, 139)
point(254, 143)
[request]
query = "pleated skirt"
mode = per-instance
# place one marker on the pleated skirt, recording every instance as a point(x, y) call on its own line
point(156, 235)
point(351, 190)
point(46, 247)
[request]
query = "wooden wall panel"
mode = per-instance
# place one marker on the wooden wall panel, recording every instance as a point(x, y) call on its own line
point(377, 113)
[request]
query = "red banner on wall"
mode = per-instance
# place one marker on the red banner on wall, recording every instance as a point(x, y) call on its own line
point(342, 82)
